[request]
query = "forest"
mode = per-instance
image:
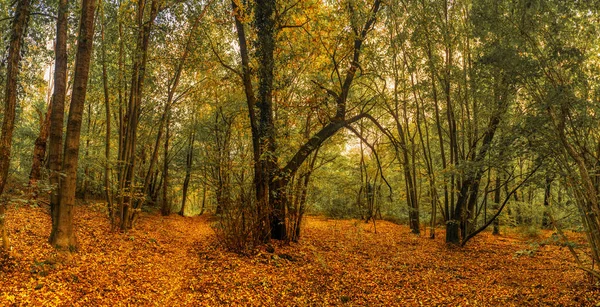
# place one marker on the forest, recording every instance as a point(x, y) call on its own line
point(300, 152)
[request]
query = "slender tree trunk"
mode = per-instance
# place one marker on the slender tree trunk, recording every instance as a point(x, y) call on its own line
point(203, 198)
point(546, 221)
point(438, 124)
point(303, 195)
point(188, 171)
point(107, 167)
point(18, 28)
point(409, 179)
point(63, 235)
point(128, 144)
point(448, 54)
point(166, 204)
point(496, 222)
point(86, 172)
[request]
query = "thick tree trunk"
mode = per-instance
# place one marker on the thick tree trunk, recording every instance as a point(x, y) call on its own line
point(63, 235)
point(18, 28)
point(57, 109)
point(269, 194)
point(452, 232)
point(19, 25)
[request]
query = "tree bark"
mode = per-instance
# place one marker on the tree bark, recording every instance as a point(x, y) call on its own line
point(63, 235)
point(267, 192)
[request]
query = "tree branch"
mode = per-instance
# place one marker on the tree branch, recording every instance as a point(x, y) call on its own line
point(482, 228)
point(349, 127)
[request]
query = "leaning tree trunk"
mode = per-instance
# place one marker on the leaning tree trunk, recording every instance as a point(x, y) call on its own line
point(246, 76)
point(41, 142)
point(19, 26)
point(63, 235)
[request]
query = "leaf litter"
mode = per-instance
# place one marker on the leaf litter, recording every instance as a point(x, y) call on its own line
point(178, 261)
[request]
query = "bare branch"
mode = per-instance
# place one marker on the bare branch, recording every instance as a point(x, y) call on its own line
point(349, 127)
point(227, 66)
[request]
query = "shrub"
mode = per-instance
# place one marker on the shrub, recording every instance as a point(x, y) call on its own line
point(238, 228)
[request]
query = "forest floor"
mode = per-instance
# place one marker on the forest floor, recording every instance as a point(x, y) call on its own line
point(175, 261)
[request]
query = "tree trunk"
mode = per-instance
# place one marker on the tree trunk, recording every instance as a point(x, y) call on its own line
point(270, 181)
point(188, 171)
point(39, 149)
point(107, 167)
point(203, 198)
point(18, 28)
point(166, 204)
point(130, 121)
point(469, 187)
point(546, 221)
point(496, 230)
point(86, 172)
point(269, 194)
point(57, 109)
point(63, 235)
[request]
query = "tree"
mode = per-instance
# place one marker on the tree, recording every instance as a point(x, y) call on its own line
point(189, 159)
point(270, 179)
point(57, 110)
point(63, 234)
point(129, 123)
point(18, 29)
